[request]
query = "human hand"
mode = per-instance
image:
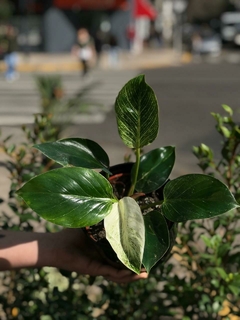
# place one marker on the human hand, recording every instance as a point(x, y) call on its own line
point(69, 249)
point(72, 250)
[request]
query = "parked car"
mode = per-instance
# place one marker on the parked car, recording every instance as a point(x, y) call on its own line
point(207, 45)
point(202, 39)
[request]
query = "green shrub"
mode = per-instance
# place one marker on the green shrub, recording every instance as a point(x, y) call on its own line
point(205, 284)
point(51, 91)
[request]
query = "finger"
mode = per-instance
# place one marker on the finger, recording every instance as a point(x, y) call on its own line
point(126, 276)
point(128, 279)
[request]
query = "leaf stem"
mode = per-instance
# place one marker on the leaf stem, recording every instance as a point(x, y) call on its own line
point(135, 171)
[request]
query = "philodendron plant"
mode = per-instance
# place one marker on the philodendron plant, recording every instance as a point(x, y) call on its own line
point(77, 195)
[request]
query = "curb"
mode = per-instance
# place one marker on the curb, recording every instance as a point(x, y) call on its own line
point(150, 59)
point(43, 66)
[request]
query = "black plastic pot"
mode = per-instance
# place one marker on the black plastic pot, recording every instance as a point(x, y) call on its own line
point(121, 183)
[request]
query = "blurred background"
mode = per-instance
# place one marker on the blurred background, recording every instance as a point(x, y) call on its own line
point(42, 24)
point(189, 53)
point(50, 26)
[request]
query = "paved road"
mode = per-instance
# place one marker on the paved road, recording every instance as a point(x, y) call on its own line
point(186, 95)
point(20, 99)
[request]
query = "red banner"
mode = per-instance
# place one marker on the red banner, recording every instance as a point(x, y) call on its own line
point(143, 8)
point(91, 4)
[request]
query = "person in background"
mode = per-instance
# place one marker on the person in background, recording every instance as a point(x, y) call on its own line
point(8, 46)
point(196, 46)
point(130, 34)
point(69, 249)
point(98, 41)
point(113, 55)
point(84, 49)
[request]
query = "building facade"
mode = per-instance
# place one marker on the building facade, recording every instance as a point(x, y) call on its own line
point(51, 25)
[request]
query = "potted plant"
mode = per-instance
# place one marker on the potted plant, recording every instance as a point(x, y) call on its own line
point(135, 207)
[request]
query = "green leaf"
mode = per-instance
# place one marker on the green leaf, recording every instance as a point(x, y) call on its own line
point(155, 167)
point(215, 283)
point(205, 150)
point(224, 249)
point(70, 197)
point(227, 109)
point(222, 273)
point(206, 240)
point(235, 289)
point(196, 196)
point(216, 224)
point(126, 233)
point(76, 152)
point(225, 131)
point(137, 113)
point(157, 239)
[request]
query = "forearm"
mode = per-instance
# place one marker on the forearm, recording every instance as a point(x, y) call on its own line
point(22, 249)
point(68, 249)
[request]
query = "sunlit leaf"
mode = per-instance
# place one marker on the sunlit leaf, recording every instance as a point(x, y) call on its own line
point(137, 113)
point(70, 197)
point(227, 109)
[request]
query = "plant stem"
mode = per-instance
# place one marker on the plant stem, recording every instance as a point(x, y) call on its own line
point(230, 164)
point(135, 172)
point(150, 205)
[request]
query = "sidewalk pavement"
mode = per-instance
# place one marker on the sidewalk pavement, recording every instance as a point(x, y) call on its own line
point(65, 62)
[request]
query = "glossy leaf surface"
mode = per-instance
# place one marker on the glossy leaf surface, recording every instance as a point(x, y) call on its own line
point(126, 232)
point(196, 196)
point(137, 113)
point(70, 197)
point(156, 238)
point(155, 168)
point(76, 152)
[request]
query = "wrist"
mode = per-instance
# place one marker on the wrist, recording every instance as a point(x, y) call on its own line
point(18, 249)
point(48, 250)
point(54, 250)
